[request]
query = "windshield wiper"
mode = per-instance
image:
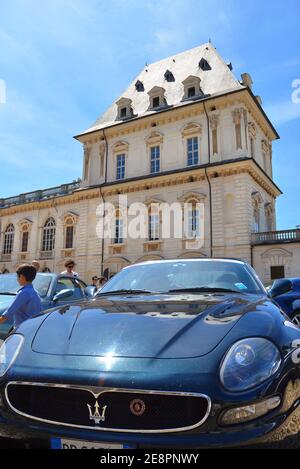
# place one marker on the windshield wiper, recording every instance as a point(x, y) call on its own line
point(8, 293)
point(125, 292)
point(203, 289)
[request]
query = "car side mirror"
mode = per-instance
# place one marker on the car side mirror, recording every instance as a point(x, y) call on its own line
point(62, 295)
point(90, 291)
point(280, 287)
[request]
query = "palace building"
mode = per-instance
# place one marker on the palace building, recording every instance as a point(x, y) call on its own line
point(185, 130)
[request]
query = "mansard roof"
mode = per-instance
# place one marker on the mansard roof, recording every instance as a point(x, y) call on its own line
point(219, 79)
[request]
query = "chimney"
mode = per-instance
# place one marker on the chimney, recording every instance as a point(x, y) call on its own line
point(247, 80)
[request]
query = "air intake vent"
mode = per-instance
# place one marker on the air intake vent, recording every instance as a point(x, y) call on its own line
point(169, 76)
point(139, 86)
point(204, 65)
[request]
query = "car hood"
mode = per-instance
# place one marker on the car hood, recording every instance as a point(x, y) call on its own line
point(164, 326)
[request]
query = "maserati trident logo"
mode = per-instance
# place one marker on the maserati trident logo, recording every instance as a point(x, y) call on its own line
point(96, 416)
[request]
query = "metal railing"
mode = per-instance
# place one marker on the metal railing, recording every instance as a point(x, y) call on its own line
point(40, 195)
point(276, 237)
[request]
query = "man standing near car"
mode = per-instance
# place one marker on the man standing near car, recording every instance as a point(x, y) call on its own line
point(27, 303)
point(69, 265)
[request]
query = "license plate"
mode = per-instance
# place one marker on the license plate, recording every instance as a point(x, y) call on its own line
point(62, 443)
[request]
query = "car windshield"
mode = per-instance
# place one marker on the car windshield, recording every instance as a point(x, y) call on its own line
point(191, 275)
point(9, 284)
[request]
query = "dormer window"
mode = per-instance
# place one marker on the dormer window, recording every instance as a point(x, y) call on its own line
point(124, 108)
point(192, 87)
point(123, 112)
point(191, 92)
point(169, 76)
point(157, 97)
point(204, 65)
point(155, 102)
point(139, 86)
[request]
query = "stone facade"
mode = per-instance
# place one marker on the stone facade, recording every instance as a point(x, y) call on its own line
point(232, 177)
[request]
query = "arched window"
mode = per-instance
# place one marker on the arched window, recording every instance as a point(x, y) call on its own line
point(48, 242)
point(9, 239)
point(69, 233)
point(24, 238)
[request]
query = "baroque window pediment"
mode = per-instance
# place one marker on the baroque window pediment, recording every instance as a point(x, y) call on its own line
point(155, 138)
point(276, 252)
point(25, 224)
point(120, 147)
point(153, 201)
point(69, 218)
point(192, 197)
point(193, 128)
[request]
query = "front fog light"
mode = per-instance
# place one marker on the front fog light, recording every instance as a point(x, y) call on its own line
point(249, 412)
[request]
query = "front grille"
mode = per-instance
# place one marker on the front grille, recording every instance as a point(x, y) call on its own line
point(108, 409)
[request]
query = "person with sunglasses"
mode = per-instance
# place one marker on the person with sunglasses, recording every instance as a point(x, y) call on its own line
point(69, 265)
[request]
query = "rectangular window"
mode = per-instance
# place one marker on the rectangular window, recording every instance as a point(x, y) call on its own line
point(155, 102)
point(121, 166)
point(194, 223)
point(123, 112)
point(119, 231)
point(277, 272)
point(154, 227)
point(25, 237)
point(155, 159)
point(192, 151)
point(69, 237)
point(191, 92)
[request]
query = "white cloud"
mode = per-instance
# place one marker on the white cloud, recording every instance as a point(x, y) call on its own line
point(283, 112)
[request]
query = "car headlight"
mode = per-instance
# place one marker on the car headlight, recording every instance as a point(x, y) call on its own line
point(9, 351)
point(248, 363)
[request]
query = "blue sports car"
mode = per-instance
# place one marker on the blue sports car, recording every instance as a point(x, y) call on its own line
point(178, 353)
point(54, 290)
point(286, 293)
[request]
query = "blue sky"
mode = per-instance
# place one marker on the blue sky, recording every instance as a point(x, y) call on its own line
point(64, 61)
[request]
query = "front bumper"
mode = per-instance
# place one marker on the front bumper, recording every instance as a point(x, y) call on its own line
point(277, 430)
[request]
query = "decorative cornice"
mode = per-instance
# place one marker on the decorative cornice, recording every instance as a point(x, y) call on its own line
point(247, 166)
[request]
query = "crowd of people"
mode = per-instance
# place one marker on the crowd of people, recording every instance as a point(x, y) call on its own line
point(97, 281)
point(27, 303)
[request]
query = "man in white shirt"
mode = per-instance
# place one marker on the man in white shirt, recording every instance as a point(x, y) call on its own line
point(69, 265)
